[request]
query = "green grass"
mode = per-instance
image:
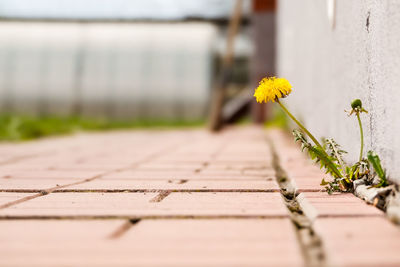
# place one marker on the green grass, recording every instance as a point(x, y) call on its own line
point(22, 127)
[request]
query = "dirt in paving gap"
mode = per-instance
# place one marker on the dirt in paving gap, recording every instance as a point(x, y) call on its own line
point(310, 243)
point(161, 195)
point(123, 228)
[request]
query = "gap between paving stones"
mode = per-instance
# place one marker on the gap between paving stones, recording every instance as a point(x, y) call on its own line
point(200, 190)
point(141, 217)
point(161, 195)
point(127, 190)
point(311, 244)
point(124, 228)
point(160, 217)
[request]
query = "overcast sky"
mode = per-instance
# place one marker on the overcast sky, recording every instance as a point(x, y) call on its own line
point(116, 9)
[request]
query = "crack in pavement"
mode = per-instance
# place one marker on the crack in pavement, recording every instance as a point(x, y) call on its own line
point(141, 217)
point(310, 242)
point(160, 197)
point(120, 231)
point(200, 190)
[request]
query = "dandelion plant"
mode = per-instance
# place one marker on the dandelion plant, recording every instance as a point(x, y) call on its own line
point(374, 159)
point(330, 154)
point(272, 89)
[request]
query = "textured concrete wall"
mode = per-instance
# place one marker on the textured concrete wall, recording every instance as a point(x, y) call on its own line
point(329, 63)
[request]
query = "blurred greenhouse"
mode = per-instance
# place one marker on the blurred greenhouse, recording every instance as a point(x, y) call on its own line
point(123, 60)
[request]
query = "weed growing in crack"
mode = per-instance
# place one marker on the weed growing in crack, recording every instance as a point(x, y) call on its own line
point(374, 159)
point(329, 154)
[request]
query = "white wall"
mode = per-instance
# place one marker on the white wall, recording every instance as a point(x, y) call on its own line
point(328, 66)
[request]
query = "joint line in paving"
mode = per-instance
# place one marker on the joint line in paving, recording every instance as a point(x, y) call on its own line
point(140, 217)
point(161, 195)
point(310, 242)
point(124, 228)
point(127, 190)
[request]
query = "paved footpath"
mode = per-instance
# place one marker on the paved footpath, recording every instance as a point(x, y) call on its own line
point(177, 198)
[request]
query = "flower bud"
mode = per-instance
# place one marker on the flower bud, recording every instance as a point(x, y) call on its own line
point(356, 104)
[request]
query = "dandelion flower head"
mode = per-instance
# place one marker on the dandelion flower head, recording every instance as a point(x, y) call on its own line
point(272, 88)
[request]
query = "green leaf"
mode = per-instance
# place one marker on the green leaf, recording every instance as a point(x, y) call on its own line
point(334, 150)
point(318, 155)
point(374, 159)
point(323, 182)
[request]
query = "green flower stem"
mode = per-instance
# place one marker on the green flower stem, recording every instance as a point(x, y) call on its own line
point(324, 156)
point(300, 125)
point(362, 135)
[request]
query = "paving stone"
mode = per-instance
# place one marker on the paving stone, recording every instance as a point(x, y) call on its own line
point(96, 167)
point(150, 243)
point(258, 204)
point(231, 177)
point(263, 173)
point(90, 204)
point(221, 165)
point(6, 197)
point(309, 183)
point(58, 243)
point(340, 204)
point(33, 184)
point(177, 184)
point(188, 175)
point(139, 204)
point(15, 174)
point(371, 241)
point(242, 158)
point(39, 231)
point(170, 166)
point(146, 174)
point(306, 176)
point(24, 166)
point(185, 159)
point(61, 166)
point(217, 242)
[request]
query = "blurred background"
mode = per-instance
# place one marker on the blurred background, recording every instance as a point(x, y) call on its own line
point(121, 63)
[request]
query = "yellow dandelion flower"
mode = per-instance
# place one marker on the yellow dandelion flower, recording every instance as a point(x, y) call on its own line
point(271, 89)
